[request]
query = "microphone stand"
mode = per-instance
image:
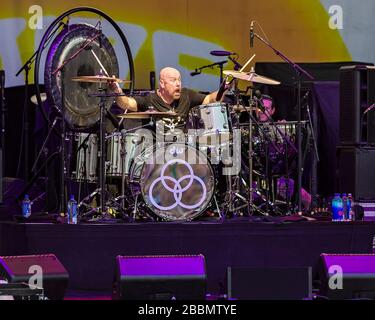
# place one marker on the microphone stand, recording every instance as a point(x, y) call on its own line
point(299, 72)
point(2, 123)
point(220, 64)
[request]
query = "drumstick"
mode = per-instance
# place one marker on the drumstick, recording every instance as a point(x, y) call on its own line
point(97, 59)
point(246, 64)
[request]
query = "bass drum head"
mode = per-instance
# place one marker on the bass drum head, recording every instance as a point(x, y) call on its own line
point(176, 181)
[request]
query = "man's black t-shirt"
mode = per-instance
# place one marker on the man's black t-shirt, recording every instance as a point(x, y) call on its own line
point(188, 100)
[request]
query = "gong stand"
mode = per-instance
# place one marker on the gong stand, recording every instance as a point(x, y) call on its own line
point(63, 167)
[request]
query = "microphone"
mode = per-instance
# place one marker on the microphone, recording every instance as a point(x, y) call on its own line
point(258, 94)
point(195, 73)
point(220, 53)
point(152, 80)
point(252, 34)
point(2, 80)
point(237, 66)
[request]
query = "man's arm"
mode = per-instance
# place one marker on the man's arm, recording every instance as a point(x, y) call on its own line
point(219, 94)
point(210, 98)
point(125, 103)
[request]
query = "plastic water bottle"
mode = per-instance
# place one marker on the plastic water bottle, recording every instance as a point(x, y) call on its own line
point(349, 205)
point(26, 206)
point(345, 206)
point(337, 208)
point(72, 210)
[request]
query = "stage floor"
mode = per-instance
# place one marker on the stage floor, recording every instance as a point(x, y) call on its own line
point(88, 251)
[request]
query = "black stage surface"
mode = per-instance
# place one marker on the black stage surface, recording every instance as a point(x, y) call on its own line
point(88, 251)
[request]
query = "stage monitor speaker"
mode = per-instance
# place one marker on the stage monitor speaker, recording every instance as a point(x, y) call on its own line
point(160, 277)
point(357, 93)
point(18, 269)
point(355, 172)
point(347, 276)
point(269, 283)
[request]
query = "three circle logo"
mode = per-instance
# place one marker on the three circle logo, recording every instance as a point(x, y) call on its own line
point(177, 190)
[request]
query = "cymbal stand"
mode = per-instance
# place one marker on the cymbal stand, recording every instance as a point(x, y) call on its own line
point(234, 188)
point(254, 122)
point(102, 154)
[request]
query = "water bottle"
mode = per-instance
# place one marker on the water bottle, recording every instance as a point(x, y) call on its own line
point(72, 210)
point(349, 205)
point(26, 206)
point(337, 208)
point(345, 206)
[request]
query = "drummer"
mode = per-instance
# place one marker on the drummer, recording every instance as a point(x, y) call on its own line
point(170, 96)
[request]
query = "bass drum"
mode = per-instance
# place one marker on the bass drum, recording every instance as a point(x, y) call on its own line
point(176, 181)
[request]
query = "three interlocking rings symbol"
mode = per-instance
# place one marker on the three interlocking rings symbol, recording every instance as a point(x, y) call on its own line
point(177, 190)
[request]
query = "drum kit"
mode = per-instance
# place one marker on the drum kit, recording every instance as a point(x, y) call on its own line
point(181, 178)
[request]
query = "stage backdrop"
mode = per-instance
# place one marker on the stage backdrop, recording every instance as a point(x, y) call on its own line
point(181, 33)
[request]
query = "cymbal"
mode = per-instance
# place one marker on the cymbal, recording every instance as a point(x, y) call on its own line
point(240, 108)
point(251, 77)
point(43, 97)
point(147, 115)
point(98, 78)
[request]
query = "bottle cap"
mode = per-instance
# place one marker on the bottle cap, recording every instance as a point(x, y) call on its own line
point(26, 196)
point(71, 196)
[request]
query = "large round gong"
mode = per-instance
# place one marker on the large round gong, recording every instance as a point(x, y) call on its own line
point(177, 182)
point(81, 111)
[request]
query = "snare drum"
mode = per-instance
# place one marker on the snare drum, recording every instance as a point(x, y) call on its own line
point(85, 157)
point(209, 124)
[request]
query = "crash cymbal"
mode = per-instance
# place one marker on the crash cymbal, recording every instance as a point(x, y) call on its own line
point(98, 79)
point(251, 77)
point(43, 96)
point(148, 114)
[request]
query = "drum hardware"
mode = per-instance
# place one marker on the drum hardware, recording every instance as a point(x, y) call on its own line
point(43, 97)
point(220, 64)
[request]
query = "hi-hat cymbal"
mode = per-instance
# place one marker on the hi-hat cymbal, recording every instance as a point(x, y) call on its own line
point(147, 115)
point(43, 97)
point(251, 77)
point(240, 108)
point(98, 79)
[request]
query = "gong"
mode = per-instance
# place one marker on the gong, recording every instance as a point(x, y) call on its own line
point(81, 111)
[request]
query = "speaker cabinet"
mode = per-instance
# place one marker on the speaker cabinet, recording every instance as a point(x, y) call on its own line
point(160, 277)
point(356, 172)
point(347, 276)
point(19, 269)
point(357, 93)
point(245, 283)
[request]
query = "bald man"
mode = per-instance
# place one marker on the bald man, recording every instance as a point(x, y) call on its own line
point(169, 96)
